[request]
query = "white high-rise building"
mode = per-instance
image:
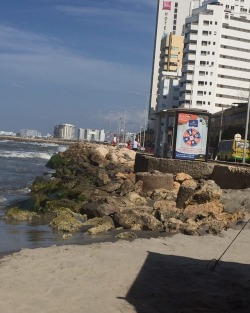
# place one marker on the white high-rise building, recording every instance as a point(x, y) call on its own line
point(216, 56)
point(64, 131)
point(91, 134)
point(170, 20)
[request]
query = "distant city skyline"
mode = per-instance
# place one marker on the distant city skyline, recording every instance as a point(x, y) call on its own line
point(84, 63)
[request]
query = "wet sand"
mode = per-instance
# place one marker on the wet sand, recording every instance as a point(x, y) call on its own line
point(171, 274)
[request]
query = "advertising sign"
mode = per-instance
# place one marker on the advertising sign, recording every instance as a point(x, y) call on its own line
point(166, 5)
point(191, 136)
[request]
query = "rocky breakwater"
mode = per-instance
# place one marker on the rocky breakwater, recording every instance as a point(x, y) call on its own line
point(94, 189)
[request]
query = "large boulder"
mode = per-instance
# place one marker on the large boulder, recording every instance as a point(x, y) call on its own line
point(101, 224)
point(186, 192)
point(66, 222)
point(206, 191)
point(17, 214)
point(137, 220)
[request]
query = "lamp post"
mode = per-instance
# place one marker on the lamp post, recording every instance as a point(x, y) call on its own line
point(146, 115)
point(246, 130)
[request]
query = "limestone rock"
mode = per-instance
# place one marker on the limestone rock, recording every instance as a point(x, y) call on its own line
point(203, 210)
point(136, 199)
point(17, 214)
point(180, 177)
point(186, 192)
point(66, 222)
point(126, 187)
point(127, 236)
point(110, 187)
point(206, 191)
point(161, 194)
point(137, 221)
point(104, 224)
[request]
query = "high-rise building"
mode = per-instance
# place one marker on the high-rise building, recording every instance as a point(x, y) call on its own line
point(64, 131)
point(216, 56)
point(91, 134)
point(29, 133)
point(169, 72)
point(170, 20)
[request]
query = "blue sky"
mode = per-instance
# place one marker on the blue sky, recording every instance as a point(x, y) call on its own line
point(75, 61)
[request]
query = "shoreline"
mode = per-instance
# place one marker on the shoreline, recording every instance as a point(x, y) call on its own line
point(52, 140)
point(156, 275)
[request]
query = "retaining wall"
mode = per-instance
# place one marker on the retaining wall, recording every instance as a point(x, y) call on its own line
point(226, 176)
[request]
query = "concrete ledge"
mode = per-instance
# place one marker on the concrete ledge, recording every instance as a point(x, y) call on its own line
point(155, 181)
point(227, 177)
point(145, 163)
point(231, 177)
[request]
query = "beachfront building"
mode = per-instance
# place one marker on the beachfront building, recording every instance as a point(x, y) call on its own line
point(232, 119)
point(170, 20)
point(170, 72)
point(30, 133)
point(216, 56)
point(91, 135)
point(5, 133)
point(64, 131)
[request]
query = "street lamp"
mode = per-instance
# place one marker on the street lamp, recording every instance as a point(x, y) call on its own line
point(146, 114)
point(246, 130)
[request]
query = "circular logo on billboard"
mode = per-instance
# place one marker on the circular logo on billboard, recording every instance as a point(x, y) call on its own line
point(191, 137)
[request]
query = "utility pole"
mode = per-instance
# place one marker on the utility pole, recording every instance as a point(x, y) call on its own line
point(246, 130)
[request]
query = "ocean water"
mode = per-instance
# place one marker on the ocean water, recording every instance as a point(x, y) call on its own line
point(20, 163)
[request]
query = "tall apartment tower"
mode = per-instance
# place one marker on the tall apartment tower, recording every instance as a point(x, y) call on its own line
point(170, 19)
point(216, 56)
point(169, 72)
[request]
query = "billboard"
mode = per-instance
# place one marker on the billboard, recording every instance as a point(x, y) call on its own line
point(191, 136)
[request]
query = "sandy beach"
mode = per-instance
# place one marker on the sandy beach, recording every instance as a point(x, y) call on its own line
point(171, 274)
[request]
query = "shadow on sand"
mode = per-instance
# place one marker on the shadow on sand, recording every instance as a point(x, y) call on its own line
point(168, 284)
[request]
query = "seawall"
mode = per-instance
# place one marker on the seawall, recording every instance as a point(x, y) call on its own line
point(226, 176)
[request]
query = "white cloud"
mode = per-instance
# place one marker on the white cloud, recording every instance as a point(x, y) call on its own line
point(127, 15)
point(43, 67)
